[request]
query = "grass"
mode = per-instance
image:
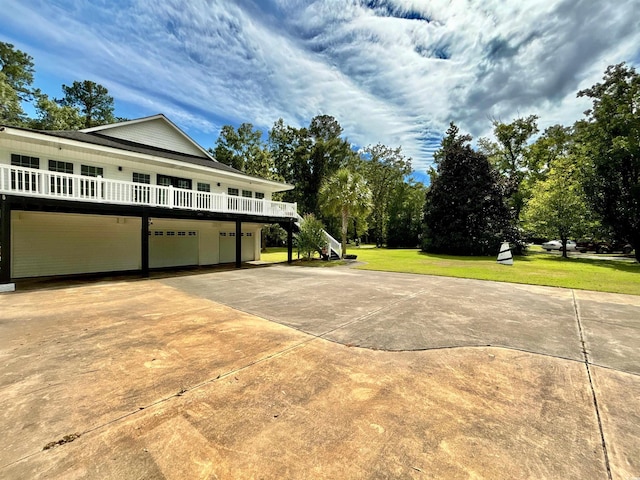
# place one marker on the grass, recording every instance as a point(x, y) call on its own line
point(536, 268)
point(279, 255)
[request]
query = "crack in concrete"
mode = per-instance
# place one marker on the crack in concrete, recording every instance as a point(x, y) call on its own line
point(593, 391)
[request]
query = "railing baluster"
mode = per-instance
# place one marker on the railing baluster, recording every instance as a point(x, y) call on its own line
point(28, 181)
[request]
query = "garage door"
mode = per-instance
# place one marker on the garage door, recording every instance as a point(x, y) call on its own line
point(173, 248)
point(228, 247)
point(61, 244)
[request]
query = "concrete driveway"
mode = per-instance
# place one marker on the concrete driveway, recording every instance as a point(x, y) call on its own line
point(293, 372)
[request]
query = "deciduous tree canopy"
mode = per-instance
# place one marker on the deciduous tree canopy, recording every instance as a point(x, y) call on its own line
point(610, 137)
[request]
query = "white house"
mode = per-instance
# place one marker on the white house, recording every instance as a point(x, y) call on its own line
point(129, 196)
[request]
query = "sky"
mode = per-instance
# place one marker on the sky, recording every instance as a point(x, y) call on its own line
point(394, 72)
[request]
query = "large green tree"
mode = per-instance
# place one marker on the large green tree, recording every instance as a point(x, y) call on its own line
point(16, 77)
point(305, 157)
point(92, 100)
point(11, 112)
point(509, 155)
point(556, 142)
point(18, 69)
point(244, 150)
point(51, 116)
point(558, 207)
point(610, 137)
point(385, 170)
point(464, 211)
point(345, 195)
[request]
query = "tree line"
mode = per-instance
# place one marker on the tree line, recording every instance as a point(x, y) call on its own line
point(366, 193)
point(568, 182)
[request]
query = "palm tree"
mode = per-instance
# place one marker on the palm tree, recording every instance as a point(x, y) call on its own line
point(345, 195)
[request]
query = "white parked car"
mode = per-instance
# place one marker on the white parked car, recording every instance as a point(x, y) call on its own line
point(557, 245)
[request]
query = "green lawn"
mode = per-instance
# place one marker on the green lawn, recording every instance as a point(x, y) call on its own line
point(536, 268)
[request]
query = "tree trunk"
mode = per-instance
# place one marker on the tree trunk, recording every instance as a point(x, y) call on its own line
point(564, 247)
point(345, 224)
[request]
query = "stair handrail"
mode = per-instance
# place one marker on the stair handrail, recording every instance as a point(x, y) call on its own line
point(334, 245)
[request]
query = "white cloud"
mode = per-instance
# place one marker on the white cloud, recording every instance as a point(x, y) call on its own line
point(394, 71)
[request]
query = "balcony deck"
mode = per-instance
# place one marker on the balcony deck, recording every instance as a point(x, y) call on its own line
point(62, 186)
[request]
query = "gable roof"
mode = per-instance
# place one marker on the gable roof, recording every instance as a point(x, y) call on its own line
point(155, 131)
point(105, 141)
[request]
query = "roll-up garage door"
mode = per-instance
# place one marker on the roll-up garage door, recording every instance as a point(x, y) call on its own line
point(46, 244)
point(173, 248)
point(228, 247)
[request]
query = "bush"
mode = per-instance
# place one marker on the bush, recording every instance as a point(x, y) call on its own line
point(310, 238)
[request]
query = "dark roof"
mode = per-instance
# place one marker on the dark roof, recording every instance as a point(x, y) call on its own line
point(104, 141)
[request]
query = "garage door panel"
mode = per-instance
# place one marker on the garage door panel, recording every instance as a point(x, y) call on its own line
point(173, 248)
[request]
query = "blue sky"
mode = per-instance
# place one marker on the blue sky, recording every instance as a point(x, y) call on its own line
point(391, 71)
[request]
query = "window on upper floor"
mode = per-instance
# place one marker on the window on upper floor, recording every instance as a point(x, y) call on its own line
point(204, 187)
point(60, 167)
point(259, 195)
point(233, 191)
point(141, 194)
point(91, 171)
point(88, 188)
point(176, 182)
point(24, 161)
point(60, 184)
point(24, 180)
point(141, 178)
point(247, 193)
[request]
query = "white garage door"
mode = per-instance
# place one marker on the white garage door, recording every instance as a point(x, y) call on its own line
point(61, 244)
point(173, 248)
point(228, 247)
point(248, 250)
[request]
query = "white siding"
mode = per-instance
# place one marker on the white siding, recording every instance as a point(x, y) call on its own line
point(157, 133)
point(61, 244)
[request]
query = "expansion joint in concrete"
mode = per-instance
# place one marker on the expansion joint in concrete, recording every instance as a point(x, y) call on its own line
point(593, 390)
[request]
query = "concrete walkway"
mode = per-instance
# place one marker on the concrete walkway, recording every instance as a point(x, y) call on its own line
point(382, 376)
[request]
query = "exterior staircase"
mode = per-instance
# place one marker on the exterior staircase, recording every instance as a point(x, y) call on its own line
point(335, 247)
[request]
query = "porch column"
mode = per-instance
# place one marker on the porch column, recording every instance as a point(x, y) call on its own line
point(144, 243)
point(238, 243)
point(290, 242)
point(5, 244)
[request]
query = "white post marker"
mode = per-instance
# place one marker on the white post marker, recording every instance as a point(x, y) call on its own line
point(505, 257)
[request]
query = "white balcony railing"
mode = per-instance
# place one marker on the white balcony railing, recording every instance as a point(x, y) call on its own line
point(44, 184)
